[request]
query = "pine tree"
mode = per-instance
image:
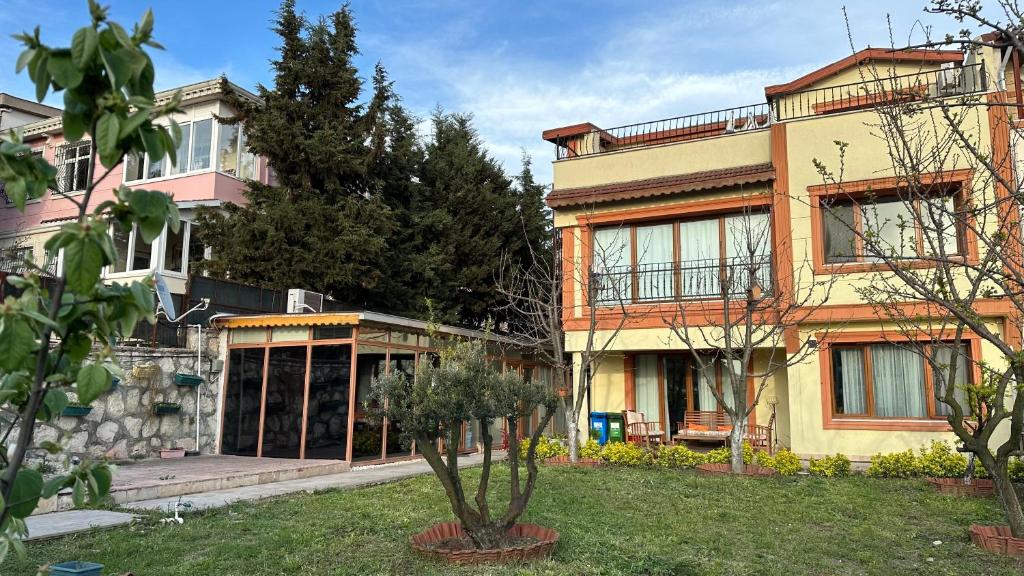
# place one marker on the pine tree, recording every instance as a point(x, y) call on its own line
point(323, 225)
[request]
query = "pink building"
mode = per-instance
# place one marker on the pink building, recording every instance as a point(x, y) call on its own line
point(212, 166)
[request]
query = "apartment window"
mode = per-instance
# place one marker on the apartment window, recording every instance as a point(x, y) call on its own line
point(900, 228)
point(122, 243)
point(192, 154)
point(227, 149)
point(890, 381)
point(73, 161)
point(133, 254)
point(142, 252)
point(694, 258)
point(174, 249)
point(197, 251)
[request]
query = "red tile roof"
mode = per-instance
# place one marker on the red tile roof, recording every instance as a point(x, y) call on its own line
point(662, 186)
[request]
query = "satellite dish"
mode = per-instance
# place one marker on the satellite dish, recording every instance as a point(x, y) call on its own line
point(163, 296)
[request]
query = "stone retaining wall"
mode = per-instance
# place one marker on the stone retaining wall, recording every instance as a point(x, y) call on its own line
point(122, 425)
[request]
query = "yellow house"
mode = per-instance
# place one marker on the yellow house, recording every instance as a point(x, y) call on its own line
point(664, 194)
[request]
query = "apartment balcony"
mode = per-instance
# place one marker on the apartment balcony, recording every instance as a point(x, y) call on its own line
point(688, 281)
point(583, 140)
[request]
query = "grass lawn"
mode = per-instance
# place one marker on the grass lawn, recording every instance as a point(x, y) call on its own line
point(612, 521)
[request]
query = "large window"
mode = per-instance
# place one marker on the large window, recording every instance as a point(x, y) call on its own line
point(233, 156)
point(683, 259)
point(73, 162)
point(892, 381)
point(167, 252)
point(900, 228)
point(192, 154)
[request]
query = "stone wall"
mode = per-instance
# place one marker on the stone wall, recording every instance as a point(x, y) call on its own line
point(122, 425)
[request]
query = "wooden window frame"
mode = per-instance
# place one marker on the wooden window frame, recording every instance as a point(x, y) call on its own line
point(676, 263)
point(959, 182)
point(933, 422)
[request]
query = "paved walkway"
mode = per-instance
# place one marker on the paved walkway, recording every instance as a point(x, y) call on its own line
point(63, 523)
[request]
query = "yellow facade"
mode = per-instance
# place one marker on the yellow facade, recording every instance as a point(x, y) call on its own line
point(792, 146)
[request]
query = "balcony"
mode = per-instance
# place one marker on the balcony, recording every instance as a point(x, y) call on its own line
point(586, 139)
point(695, 280)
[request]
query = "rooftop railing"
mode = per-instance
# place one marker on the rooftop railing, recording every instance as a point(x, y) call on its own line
point(916, 87)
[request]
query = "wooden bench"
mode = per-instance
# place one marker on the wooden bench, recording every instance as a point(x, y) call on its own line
point(717, 427)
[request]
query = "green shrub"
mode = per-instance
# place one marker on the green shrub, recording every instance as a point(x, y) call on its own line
point(546, 448)
point(939, 460)
point(590, 449)
point(784, 462)
point(896, 465)
point(626, 454)
point(836, 466)
point(723, 455)
point(679, 457)
point(1016, 469)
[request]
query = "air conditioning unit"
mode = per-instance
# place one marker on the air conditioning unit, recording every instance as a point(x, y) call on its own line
point(300, 301)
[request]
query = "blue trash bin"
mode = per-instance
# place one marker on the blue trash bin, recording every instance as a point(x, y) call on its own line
point(76, 568)
point(599, 426)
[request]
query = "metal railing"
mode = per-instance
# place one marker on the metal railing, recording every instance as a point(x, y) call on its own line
point(680, 128)
point(880, 91)
point(707, 279)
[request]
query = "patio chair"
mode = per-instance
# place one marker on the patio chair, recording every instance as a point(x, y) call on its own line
point(642, 431)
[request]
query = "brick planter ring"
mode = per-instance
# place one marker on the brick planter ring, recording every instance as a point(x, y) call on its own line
point(956, 486)
point(997, 539)
point(582, 462)
point(726, 470)
point(424, 542)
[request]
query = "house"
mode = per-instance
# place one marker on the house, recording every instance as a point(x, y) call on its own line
point(15, 112)
point(212, 166)
point(646, 214)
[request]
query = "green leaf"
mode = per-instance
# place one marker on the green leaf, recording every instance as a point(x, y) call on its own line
point(132, 122)
point(24, 58)
point(83, 261)
point(55, 401)
point(64, 71)
point(108, 130)
point(74, 125)
point(54, 485)
point(100, 479)
point(83, 45)
point(28, 487)
point(121, 34)
point(78, 492)
point(77, 346)
point(92, 381)
point(17, 341)
point(118, 67)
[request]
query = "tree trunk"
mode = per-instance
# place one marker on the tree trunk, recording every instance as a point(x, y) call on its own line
point(485, 535)
point(572, 424)
point(1008, 498)
point(736, 441)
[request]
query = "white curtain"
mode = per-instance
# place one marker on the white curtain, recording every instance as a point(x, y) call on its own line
point(850, 373)
point(939, 229)
point(611, 265)
point(700, 256)
point(898, 376)
point(706, 401)
point(654, 258)
point(943, 356)
point(646, 386)
point(748, 240)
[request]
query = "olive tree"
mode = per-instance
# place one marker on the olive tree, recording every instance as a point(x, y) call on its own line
point(57, 337)
point(465, 386)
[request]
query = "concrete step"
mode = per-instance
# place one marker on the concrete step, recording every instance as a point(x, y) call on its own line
point(150, 480)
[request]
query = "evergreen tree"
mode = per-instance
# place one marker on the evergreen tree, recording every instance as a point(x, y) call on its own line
point(324, 224)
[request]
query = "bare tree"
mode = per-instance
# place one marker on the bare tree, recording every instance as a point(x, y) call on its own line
point(948, 247)
point(743, 313)
point(534, 292)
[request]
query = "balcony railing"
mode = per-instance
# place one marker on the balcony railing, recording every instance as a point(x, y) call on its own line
point(707, 279)
point(692, 127)
point(916, 87)
point(942, 83)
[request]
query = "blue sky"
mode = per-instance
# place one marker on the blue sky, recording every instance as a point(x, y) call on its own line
point(519, 66)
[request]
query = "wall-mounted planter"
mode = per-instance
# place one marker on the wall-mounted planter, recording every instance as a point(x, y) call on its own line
point(76, 568)
point(165, 408)
point(76, 410)
point(190, 380)
point(168, 453)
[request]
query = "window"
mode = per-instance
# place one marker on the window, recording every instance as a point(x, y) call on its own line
point(174, 249)
point(132, 252)
point(134, 167)
point(73, 162)
point(142, 252)
point(122, 239)
point(890, 381)
point(227, 149)
point(900, 228)
point(180, 165)
point(684, 259)
point(196, 250)
point(246, 160)
point(202, 136)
